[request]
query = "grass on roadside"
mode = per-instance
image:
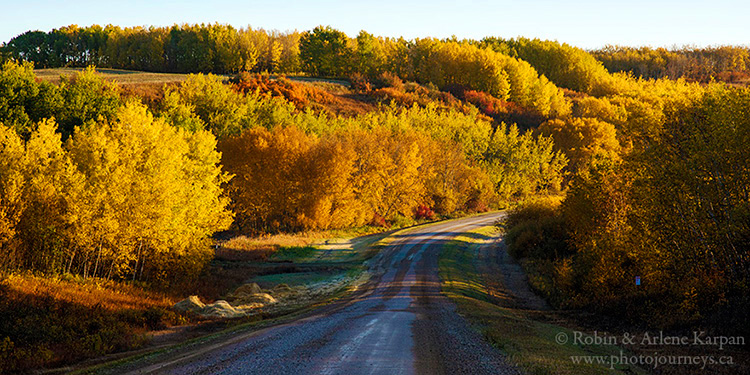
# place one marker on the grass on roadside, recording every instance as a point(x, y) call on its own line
point(52, 321)
point(340, 245)
point(110, 295)
point(330, 259)
point(49, 321)
point(529, 343)
point(294, 253)
point(364, 247)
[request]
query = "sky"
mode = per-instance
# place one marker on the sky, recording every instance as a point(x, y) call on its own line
point(584, 23)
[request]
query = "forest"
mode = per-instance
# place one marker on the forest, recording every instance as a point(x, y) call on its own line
point(616, 163)
point(223, 49)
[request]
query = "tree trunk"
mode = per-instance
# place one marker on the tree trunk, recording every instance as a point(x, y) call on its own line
point(70, 262)
point(138, 258)
point(98, 257)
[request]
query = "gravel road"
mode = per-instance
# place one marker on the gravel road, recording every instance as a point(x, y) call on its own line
point(398, 323)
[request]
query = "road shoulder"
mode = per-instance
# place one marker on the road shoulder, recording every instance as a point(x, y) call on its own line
point(500, 307)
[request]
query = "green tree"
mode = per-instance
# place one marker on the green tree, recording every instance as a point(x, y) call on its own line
point(224, 111)
point(369, 55)
point(31, 46)
point(520, 165)
point(87, 98)
point(23, 100)
point(188, 49)
point(325, 51)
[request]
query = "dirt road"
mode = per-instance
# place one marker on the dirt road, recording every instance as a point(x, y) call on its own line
point(397, 324)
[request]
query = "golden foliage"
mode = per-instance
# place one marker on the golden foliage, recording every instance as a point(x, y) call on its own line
point(583, 140)
point(117, 195)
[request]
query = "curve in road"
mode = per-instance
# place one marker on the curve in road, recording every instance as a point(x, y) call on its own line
point(399, 323)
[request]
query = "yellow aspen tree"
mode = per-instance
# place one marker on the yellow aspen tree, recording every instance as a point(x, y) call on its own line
point(49, 175)
point(405, 183)
point(267, 188)
point(98, 226)
point(12, 183)
point(370, 169)
point(331, 201)
point(583, 140)
point(152, 193)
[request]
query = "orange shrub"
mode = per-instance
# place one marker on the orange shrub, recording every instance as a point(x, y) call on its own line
point(424, 212)
point(300, 94)
point(501, 110)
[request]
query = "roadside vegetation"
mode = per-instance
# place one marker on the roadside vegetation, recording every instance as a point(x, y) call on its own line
point(131, 178)
point(52, 320)
point(526, 336)
point(672, 213)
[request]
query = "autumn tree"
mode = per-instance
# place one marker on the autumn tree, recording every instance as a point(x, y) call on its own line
point(521, 165)
point(456, 183)
point(268, 186)
point(203, 100)
point(452, 63)
point(135, 48)
point(12, 182)
point(188, 50)
point(583, 140)
point(696, 190)
point(369, 55)
point(151, 196)
point(565, 65)
point(289, 61)
point(50, 188)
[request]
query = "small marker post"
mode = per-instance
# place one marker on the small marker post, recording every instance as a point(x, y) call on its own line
point(637, 280)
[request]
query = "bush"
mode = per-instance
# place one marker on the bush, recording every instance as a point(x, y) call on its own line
point(379, 221)
point(424, 212)
point(401, 221)
point(302, 95)
point(537, 230)
point(389, 79)
point(359, 83)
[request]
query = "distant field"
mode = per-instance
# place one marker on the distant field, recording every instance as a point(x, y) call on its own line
point(129, 77)
point(123, 77)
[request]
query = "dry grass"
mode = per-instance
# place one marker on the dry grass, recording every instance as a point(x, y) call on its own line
point(119, 76)
point(350, 105)
point(107, 294)
point(330, 85)
point(243, 248)
point(258, 249)
point(334, 97)
point(53, 321)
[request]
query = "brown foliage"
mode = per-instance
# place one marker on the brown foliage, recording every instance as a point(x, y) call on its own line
point(501, 110)
point(304, 95)
point(300, 94)
point(150, 94)
point(410, 94)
